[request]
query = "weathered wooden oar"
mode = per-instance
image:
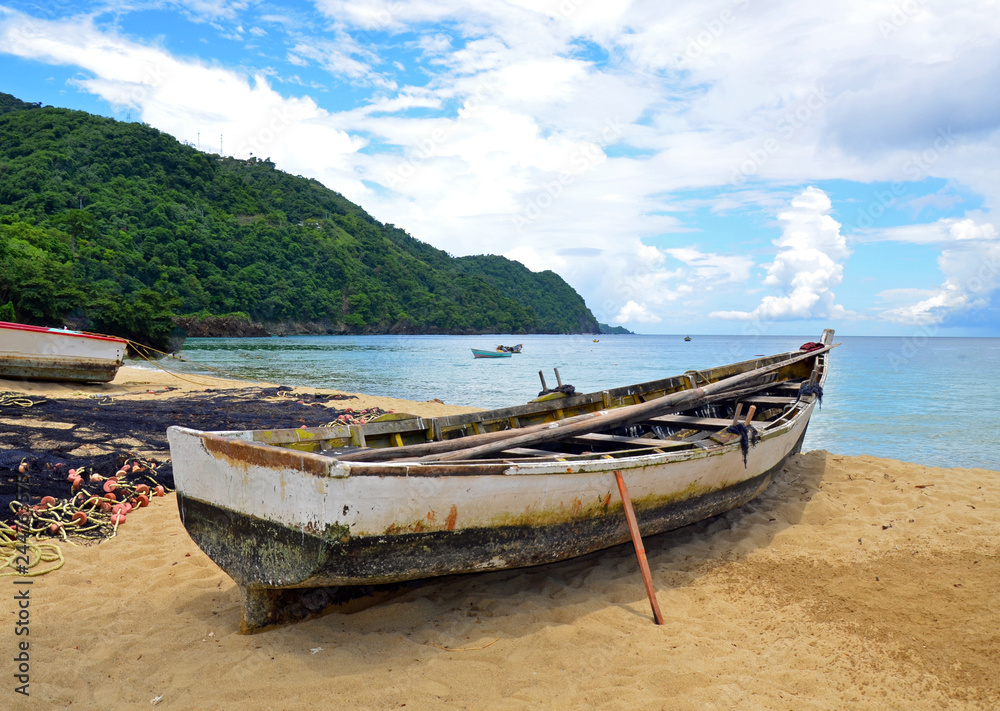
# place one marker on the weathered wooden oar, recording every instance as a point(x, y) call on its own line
point(491, 442)
point(640, 550)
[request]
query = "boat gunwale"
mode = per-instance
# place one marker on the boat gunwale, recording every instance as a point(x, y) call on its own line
point(237, 443)
point(323, 465)
point(8, 325)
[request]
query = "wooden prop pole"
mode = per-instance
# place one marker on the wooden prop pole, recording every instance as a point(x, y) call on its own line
point(640, 550)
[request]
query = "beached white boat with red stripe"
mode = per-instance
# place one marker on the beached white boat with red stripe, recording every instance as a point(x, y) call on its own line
point(57, 354)
point(298, 517)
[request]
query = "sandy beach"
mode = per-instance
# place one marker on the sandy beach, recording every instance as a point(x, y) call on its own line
point(852, 582)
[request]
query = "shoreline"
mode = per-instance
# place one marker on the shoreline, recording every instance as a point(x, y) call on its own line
point(138, 382)
point(851, 581)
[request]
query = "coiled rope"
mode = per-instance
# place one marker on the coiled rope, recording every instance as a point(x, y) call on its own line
point(22, 558)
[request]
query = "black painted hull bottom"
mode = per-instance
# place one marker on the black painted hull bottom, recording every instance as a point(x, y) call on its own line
point(286, 575)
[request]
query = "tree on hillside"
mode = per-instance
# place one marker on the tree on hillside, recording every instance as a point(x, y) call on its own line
point(78, 224)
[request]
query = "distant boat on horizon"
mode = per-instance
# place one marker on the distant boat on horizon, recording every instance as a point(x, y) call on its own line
point(687, 338)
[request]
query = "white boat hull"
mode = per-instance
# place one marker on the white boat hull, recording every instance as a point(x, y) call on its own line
point(31, 353)
point(307, 522)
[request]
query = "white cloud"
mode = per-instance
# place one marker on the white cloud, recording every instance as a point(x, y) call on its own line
point(632, 312)
point(713, 269)
point(807, 266)
point(342, 58)
point(942, 232)
point(534, 261)
point(971, 267)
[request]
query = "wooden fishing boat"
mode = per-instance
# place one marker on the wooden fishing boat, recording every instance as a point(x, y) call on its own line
point(477, 353)
point(296, 516)
point(38, 353)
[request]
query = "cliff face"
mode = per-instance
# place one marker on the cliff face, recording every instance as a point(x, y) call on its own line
point(219, 326)
point(123, 226)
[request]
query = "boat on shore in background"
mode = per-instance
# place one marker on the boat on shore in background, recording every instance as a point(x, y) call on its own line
point(478, 353)
point(57, 354)
point(303, 519)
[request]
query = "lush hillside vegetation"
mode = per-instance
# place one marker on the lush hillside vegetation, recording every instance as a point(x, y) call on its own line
point(123, 229)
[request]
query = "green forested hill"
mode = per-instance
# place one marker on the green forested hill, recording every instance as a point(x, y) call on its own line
point(124, 228)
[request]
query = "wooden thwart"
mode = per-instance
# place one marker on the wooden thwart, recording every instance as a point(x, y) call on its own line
point(640, 550)
point(770, 400)
point(689, 422)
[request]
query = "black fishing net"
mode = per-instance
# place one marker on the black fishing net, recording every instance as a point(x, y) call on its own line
point(51, 436)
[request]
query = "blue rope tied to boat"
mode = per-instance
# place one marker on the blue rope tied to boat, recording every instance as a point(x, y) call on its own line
point(749, 437)
point(811, 389)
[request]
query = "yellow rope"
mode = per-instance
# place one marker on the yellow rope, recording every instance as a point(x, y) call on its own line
point(37, 553)
point(9, 397)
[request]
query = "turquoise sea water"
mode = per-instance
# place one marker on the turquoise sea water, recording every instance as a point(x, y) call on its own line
point(932, 401)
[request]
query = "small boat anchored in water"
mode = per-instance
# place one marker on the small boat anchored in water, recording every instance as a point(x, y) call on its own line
point(296, 516)
point(479, 353)
point(57, 354)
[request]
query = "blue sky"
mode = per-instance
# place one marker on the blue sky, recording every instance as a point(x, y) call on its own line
point(730, 167)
